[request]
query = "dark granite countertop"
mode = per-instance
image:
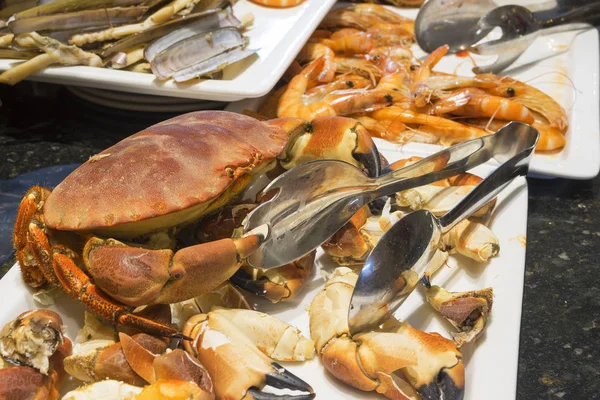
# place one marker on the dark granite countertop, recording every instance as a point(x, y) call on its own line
point(44, 125)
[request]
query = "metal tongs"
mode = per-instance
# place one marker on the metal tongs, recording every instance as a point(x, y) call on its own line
point(462, 23)
point(311, 202)
point(402, 255)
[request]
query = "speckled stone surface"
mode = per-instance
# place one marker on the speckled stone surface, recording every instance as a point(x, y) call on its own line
point(44, 125)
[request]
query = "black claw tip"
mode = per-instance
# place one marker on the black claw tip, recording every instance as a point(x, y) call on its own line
point(180, 336)
point(243, 280)
point(284, 379)
point(258, 395)
point(443, 387)
point(425, 281)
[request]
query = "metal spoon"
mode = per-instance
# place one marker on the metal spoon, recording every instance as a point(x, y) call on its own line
point(451, 22)
point(403, 253)
point(314, 200)
point(520, 28)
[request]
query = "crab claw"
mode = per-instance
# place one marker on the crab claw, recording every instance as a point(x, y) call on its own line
point(238, 368)
point(468, 311)
point(335, 138)
point(431, 364)
point(32, 338)
point(277, 284)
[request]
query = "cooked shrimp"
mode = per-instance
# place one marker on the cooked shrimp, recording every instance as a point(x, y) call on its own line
point(358, 65)
point(381, 12)
point(395, 53)
point(405, 30)
point(476, 103)
point(312, 51)
point(294, 102)
point(357, 42)
point(269, 107)
point(421, 91)
point(342, 82)
point(530, 97)
point(447, 131)
point(278, 3)
point(550, 138)
point(396, 81)
point(346, 18)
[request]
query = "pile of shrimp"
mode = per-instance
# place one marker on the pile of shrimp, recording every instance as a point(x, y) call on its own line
point(359, 64)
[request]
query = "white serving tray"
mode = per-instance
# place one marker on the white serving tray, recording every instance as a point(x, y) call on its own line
point(278, 33)
point(566, 68)
point(491, 363)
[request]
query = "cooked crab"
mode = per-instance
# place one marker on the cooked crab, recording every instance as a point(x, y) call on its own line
point(35, 343)
point(395, 360)
point(117, 216)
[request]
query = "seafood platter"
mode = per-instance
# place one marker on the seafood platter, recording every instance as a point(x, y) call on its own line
point(132, 278)
point(112, 44)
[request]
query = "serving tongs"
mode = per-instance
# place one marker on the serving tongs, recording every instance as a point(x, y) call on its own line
point(401, 257)
point(311, 202)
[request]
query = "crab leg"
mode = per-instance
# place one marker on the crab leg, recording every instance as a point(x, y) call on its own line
point(79, 286)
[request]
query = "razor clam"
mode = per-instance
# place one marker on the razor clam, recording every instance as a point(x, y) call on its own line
point(17, 54)
point(195, 49)
point(211, 4)
point(212, 21)
point(154, 32)
point(214, 64)
point(66, 6)
point(78, 19)
point(10, 8)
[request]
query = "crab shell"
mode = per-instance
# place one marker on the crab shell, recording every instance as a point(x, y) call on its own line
point(166, 175)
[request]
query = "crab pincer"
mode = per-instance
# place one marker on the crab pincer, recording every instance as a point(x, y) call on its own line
point(241, 365)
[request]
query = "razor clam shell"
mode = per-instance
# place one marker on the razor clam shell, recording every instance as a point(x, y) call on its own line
point(195, 49)
point(78, 20)
point(153, 33)
point(67, 6)
point(214, 64)
point(17, 54)
point(9, 9)
point(212, 21)
point(211, 4)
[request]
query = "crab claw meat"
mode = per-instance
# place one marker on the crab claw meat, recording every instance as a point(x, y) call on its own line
point(32, 338)
point(468, 311)
point(236, 365)
point(104, 390)
point(473, 240)
point(438, 199)
point(273, 337)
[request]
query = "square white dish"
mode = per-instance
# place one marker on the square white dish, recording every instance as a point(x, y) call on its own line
point(491, 363)
point(566, 68)
point(278, 33)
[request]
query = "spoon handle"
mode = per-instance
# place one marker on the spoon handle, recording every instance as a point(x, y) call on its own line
point(515, 166)
point(588, 13)
point(451, 161)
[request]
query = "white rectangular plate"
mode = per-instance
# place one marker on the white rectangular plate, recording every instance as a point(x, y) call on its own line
point(567, 69)
point(278, 33)
point(491, 363)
